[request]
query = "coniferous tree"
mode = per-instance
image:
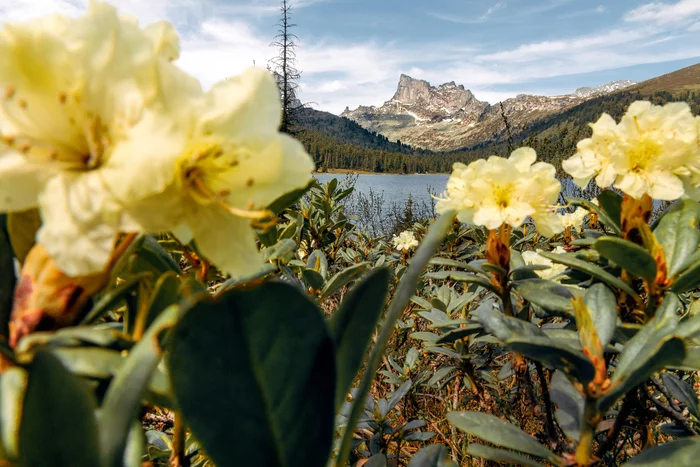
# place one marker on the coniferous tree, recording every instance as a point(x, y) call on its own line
point(284, 67)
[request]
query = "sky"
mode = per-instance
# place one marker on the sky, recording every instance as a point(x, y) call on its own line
point(352, 52)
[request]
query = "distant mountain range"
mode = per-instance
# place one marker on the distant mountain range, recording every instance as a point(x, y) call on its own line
point(448, 116)
point(551, 125)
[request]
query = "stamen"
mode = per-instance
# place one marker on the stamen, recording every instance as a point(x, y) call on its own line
point(9, 91)
point(257, 215)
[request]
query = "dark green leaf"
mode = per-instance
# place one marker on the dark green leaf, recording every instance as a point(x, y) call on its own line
point(500, 455)
point(596, 271)
point(678, 233)
point(313, 279)
point(505, 327)
point(353, 324)
point(499, 432)
point(609, 209)
point(630, 256)
point(435, 455)
point(602, 305)
point(7, 277)
point(461, 276)
point(165, 293)
point(264, 359)
point(437, 261)
point(569, 402)
point(460, 333)
point(288, 199)
point(396, 397)
point(681, 453)
point(654, 347)
point(682, 391)
point(688, 278)
point(377, 460)
point(404, 292)
point(343, 278)
point(550, 295)
point(318, 262)
point(555, 355)
point(54, 401)
point(121, 403)
point(280, 250)
point(113, 297)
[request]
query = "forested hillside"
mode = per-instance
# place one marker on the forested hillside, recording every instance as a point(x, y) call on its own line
point(339, 143)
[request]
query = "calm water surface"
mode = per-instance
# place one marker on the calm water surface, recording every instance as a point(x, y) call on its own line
point(395, 187)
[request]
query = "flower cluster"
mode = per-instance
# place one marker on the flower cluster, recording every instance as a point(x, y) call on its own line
point(654, 150)
point(405, 241)
point(534, 258)
point(104, 134)
point(499, 191)
point(574, 220)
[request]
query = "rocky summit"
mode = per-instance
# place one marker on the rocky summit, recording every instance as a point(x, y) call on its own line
point(449, 116)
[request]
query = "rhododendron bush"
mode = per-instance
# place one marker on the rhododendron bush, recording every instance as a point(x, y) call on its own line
point(177, 289)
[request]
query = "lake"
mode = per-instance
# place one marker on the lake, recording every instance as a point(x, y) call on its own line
point(395, 187)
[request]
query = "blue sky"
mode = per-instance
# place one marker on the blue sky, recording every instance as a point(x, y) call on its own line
point(352, 52)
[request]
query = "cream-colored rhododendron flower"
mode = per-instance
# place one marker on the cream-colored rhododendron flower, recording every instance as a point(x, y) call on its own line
point(405, 241)
point(499, 191)
point(86, 103)
point(593, 155)
point(231, 164)
point(575, 219)
point(647, 153)
point(533, 257)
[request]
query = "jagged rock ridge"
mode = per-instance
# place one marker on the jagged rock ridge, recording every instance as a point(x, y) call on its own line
point(449, 116)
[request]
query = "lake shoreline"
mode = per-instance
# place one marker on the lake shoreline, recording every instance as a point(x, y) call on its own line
point(367, 172)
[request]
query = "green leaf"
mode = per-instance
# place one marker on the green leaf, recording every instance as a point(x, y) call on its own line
point(113, 297)
point(7, 277)
point(264, 359)
point(121, 403)
point(165, 294)
point(435, 455)
point(318, 262)
point(395, 398)
point(505, 327)
point(687, 279)
point(437, 261)
point(13, 383)
point(682, 391)
point(501, 433)
point(461, 276)
point(630, 256)
point(570, 260)
point(54, 401)
point(550, 295)
point(280, 250)
point(135, 446)
point(681, 453)
point(377, 460)
point(22, 227)
point(654, 347)
point(555, 355)
point(313, 279)
point(91, 362)
point(609, 209)
point(569, 402)
point(460, 333)
point(288, 199)
point(678, 233)
point(353, 324)
point(602, 306)
point(404, 292)
point(500, 455)
point(343, 278)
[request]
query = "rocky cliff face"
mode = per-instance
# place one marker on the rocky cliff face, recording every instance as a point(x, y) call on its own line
point(448, 116)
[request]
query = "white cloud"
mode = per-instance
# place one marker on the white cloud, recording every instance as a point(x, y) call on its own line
point(493, 9)
point(664, 13)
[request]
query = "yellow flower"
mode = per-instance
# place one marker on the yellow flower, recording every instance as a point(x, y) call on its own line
point(533, 257)
point(647, 153)
point(86, 101)
point(405, 241)
point(231, 164)
point(500, 191)
point(575, 219)
point(592, 158)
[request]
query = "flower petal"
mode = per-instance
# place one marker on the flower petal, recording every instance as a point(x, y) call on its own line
point(227, 241)
point(21, 182)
